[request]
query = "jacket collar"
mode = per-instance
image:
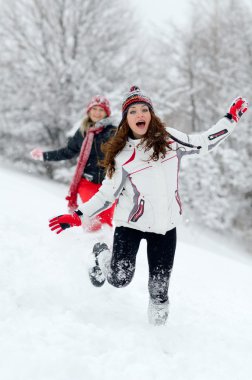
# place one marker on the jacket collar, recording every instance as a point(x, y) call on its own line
point(104, 122)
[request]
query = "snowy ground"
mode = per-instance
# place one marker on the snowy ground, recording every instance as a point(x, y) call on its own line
point(55, 326)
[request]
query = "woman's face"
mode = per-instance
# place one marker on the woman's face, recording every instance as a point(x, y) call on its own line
point(138, 118)
point(97, 113)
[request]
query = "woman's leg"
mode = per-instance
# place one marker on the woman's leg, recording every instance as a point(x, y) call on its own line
point(125, 247)
point(161, 251)
point(118, 266)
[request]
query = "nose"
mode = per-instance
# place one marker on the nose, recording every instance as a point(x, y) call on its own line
point(140, 114)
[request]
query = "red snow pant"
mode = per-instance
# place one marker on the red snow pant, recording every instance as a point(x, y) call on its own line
point(86, 190)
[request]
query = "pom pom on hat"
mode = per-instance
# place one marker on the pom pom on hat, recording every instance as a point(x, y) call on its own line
point(100, 101)
point(134, 88)
point(135, 95)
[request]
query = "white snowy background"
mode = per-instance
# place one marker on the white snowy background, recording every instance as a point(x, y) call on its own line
point(54, 325)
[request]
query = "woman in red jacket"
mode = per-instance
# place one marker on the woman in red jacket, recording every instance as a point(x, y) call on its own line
point(96, 128)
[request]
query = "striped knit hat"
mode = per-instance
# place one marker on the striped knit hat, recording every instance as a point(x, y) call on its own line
point(135, 96)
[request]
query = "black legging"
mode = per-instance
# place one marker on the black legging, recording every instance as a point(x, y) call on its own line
point(160, 251)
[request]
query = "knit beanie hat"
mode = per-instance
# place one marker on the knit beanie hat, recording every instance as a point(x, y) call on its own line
point(135, 95)
point(100, 101)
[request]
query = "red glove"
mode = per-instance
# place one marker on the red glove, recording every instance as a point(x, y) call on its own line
point(237, 109)
point(61, 222)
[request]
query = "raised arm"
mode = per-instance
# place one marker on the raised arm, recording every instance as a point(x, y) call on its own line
point(207, 141)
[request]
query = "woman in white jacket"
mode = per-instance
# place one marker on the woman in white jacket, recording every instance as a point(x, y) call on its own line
point(142, 163)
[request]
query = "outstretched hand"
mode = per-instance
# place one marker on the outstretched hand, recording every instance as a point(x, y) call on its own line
point(37, 154)
point(61, 222)
point(238, 107)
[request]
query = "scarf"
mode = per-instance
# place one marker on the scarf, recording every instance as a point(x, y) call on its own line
point(82, 161)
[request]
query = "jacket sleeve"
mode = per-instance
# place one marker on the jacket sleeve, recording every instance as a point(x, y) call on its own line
point(71, 150)
point(107, 194)
point(203, 143)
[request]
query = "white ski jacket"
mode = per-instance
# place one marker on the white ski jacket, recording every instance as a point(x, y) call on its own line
point(147, 191)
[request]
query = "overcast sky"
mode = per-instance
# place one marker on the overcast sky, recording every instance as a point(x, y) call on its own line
point(176, 11)
point(162, 10)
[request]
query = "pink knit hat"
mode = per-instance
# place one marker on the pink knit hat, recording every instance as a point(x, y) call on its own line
point(100, 101)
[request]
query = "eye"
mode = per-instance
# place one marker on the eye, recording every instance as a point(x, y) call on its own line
point(132, 112)
point(145, 110)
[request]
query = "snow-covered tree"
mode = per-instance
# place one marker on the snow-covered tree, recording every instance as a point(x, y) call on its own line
point(216, 64)
point(56, 54)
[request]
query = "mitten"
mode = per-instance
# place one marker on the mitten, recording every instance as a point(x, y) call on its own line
point(37, 154)
point(238, 107)
point(61, 222)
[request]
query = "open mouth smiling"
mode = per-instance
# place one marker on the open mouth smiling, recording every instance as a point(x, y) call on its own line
point(140, 124)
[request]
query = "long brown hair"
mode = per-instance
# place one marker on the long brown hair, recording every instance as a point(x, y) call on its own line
point(156, 138)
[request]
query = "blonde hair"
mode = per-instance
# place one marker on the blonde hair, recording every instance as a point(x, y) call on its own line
point(86, 124)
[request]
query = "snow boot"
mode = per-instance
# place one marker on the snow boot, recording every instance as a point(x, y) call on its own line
point(95, 273)
point(158, 312)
